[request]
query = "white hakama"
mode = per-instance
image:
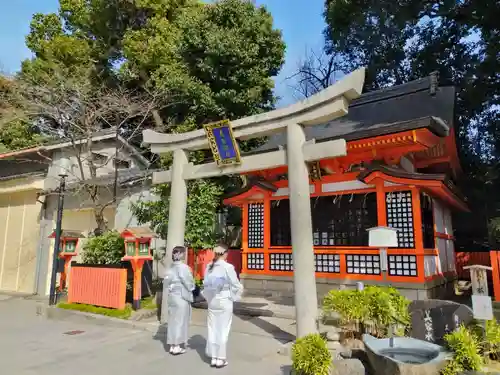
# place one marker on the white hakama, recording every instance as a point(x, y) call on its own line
point(221, 289)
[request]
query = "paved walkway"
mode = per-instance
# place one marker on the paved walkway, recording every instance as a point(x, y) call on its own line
point(33, 345)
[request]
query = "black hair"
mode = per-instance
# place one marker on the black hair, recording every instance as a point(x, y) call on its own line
point(177, 252)
point(218, 256)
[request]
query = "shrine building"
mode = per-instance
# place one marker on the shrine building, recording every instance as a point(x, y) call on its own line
point(399, 171)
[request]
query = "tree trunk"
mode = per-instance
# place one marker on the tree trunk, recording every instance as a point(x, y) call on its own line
point(100, 221)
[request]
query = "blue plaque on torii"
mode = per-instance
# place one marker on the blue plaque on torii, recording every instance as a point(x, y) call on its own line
point(222, 143)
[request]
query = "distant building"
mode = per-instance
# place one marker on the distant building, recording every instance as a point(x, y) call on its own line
point(29, 180)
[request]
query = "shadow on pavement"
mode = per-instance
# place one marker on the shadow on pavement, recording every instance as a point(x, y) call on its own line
point(161, 335)
point(277, 333)
point(287, 370)
point(198, 343)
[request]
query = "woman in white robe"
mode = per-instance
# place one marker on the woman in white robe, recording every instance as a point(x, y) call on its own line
point(221, 288)
point(180, 285)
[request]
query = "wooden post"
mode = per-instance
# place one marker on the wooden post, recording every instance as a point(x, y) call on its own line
point(137, 265)
point(496, 274)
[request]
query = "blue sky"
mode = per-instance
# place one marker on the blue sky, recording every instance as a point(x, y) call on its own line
point(300, 21)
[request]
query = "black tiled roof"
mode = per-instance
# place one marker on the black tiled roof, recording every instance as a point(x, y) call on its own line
point(413, 105)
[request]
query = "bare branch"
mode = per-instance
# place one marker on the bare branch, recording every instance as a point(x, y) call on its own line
point(75, 111)
point(314, 73)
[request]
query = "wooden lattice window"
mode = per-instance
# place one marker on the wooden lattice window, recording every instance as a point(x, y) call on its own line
point(256, 225)
point(426, 210)
point(402, 265)
point(327, 263)
point(400, 216)
point(359, 264)
point(280, 262)
point(255, 261)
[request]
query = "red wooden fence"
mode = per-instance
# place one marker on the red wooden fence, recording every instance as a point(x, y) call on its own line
point(463, 259)
point(206, 256)
point(98, 286)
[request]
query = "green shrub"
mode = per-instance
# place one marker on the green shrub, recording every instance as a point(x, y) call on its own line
point(121, 314)
point(492, 340)
point(148, 303)
point(378, 307)
point(108, 248)
point(310, 356)
point(466, 348)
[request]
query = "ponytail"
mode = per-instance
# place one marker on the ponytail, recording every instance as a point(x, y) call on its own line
point(219, 251)
point(216, 258)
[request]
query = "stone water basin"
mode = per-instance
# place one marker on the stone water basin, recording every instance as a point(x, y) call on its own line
point(405, 356)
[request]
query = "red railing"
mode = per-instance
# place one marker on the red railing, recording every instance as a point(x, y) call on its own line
point(463, 259)
point(206, 256)
point(99, 286)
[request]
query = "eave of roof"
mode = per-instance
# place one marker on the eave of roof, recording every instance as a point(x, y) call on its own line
point(65, 142)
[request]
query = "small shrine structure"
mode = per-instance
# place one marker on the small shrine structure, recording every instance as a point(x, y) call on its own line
point(398, 172)
point(67, 250)
point(137, 252)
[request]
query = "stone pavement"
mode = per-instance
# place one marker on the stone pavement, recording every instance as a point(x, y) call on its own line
point(30, 344)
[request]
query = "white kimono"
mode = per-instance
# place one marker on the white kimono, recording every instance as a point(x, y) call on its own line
point(221, 288)
point(179, 283)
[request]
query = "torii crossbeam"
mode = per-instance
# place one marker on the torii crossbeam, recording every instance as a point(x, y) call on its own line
point(325, 106)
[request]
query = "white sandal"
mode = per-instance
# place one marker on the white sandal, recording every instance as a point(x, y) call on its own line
point(221, 363)
point(213, 363)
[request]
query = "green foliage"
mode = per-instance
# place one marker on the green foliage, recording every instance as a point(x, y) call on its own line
point(19, 134)
point(108, 248)
point(120, 314)
point(148, 303)
point(16, 131)
point(310, 356)
point(492, 339)
point(198, 282)
point(466, 348)
point(377, 307)
point(204, 198)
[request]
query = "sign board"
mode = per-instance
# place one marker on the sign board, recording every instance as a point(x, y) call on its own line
point(222, 143)
point(382, 237)
point(482, 307)
point(479, 278)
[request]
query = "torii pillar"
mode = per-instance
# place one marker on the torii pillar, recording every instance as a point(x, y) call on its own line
point(325, 106)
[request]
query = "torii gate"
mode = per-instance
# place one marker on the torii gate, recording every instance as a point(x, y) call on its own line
point(325, 106)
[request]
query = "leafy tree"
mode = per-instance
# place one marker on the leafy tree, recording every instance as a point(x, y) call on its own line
point(402, 40)
point(207, 61)
point(15, 131)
